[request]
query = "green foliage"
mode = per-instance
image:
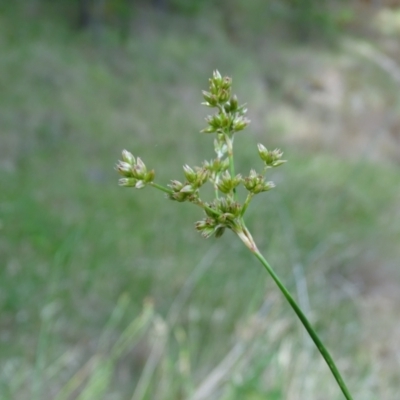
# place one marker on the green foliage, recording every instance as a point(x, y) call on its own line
point(305, 19)
point(191, 7)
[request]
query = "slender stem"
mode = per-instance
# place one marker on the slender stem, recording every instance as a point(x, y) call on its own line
point(229, 142)
point(162, 188)
point(231, 165)
point(320, 346)
point(204, 206)
point(247, 202)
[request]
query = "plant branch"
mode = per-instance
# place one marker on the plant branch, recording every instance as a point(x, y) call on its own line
point(162, 188)
point(247, 202)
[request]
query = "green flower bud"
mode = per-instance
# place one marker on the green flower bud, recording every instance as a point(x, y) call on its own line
point(128, 157)
point(271, 158)
point(223, 187)
point(227, 207)
point(225, 120)
point(239, 123)
point(267, 186)
point(127, 182)
point(202, 174)
point(224, 95)
point(255, 183)
point(182, 192)
point(214, 88)
point(251, 181)
point(207, 165)
point(226, 219)
point(233, 103)
point(216, 165)
point(226, 82)
point(179, 196)
point(209, 129)
point(276, 156)
point(189, 173)
point(242, 110)
point(124, 168)
point(139, 170)
point(187, 189)
point(227, 183)
point(211, 100)
point(206, 227)
point(206, 232)
point(217, 78)
point(176, 186)
point(219, 232)
point(263, 152)
point(215, 121)
point(140, 185)
point(225, 164)
point(150, 176)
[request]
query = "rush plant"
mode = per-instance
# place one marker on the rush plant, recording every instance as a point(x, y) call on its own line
point(225, 211)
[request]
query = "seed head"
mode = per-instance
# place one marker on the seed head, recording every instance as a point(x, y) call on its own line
point(270, 158)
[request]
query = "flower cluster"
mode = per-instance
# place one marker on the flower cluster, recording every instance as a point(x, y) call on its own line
point(189, 191)
point(221, 213)
point(225, 211)
point(134, 171)
point(270, 158)
point(256, 183)
point(230, 116)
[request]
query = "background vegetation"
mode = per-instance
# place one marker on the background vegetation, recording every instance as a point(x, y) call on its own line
point(108, 293)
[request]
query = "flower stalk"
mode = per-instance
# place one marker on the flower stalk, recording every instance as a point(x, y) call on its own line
point(225, 211)
point(314, 336)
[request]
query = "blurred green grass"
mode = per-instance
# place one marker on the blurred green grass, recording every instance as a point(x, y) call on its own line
point(72, 242)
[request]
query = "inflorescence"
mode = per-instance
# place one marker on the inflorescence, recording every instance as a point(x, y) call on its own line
point(225, 211)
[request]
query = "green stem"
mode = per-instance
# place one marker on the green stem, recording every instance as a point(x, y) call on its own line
point(231, 165)
point(322, 349)
point(229, 142)
point(204, 206)
point(246, 203)
point(162, 188)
